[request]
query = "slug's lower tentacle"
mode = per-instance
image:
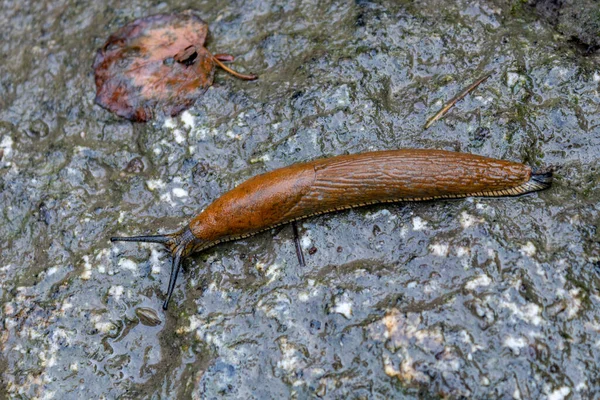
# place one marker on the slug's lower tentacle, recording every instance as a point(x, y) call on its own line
point(179, 244)
point(175, 266)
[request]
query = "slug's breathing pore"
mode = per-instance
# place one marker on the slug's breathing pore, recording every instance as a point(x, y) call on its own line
point(326, 185)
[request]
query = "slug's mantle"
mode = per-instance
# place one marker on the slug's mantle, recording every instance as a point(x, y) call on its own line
point(157, 63)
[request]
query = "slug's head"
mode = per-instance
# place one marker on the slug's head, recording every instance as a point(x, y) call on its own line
point(180, 244)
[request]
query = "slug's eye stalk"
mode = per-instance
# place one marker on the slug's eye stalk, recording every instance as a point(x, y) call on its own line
point(179, 244)
point(164, 239)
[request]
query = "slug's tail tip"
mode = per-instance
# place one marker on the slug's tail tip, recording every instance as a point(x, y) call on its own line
point(542, 178)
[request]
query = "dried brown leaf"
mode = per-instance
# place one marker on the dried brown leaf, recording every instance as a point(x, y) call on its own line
point(157, 63)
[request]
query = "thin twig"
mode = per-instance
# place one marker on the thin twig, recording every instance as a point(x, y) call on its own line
point(217, 60)
point(456, 99)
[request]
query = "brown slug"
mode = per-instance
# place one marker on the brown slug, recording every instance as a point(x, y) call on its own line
point(337, 183)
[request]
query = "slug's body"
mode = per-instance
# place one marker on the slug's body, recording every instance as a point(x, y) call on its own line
point(342, 182)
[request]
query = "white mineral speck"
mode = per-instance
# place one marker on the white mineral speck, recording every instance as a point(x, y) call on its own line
point(86, 262)
point(406, 371)
point(33, 334)
point(344, 308)
point(343, 95)
point(201, 133)
point(9, 309)
point(188, 119)
point(155, 261)
point(528, 249)
point(87, 269)
point(403, 231)
point(517, 394)
point(560, 393)
point(303, 296)
point(574, 303)
point(168, 199)
point(153, 184)
point(529, 312)
point(170, 123)
point(103, 327)
point(51, 271)
point(126, 263)
point(305, 242)
point(462, 251)
point(9, 323)
point(260, 267)
point(7, 145)
point(116, 291)
point(179, 192)
point(419, 224)
point(467, 220)
point(439, 249)
point(481, 280)
point(289, 360)
point(515, 344)
point(48, 395)
point(431, 287)
point(376, 215)
point(512, 78)
point(273, 272)
point(178, 135)
point(195, 323)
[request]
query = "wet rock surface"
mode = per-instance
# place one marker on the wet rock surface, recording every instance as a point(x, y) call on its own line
point(578, 20)
point(477, 297)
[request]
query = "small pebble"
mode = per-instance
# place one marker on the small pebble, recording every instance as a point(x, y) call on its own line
point(148, 316)
point(135, 166)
